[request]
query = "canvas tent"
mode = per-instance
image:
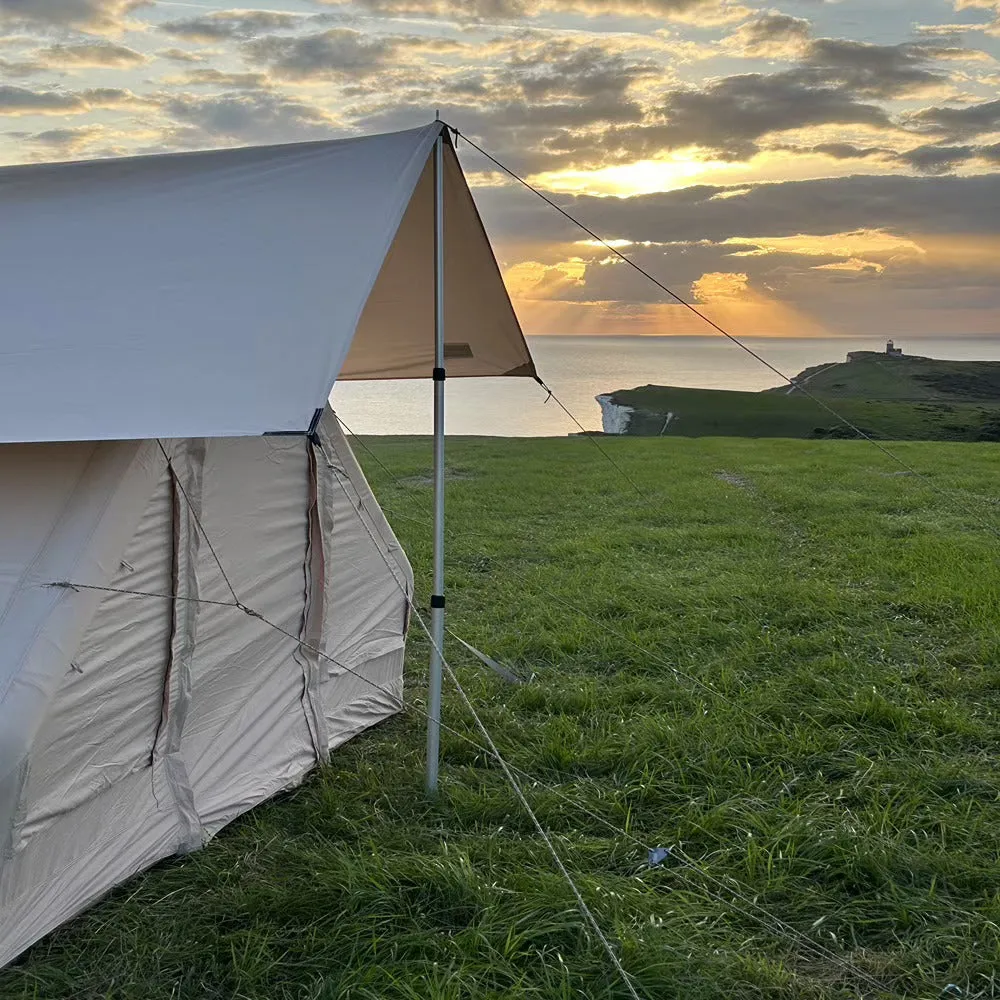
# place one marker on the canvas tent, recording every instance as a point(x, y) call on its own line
point(172, 328)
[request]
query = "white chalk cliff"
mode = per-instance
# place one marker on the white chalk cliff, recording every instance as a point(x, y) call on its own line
point(615, 418)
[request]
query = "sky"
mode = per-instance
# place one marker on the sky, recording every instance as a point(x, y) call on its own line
point(801, 168)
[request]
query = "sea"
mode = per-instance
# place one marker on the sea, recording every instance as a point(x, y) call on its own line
point(577, 369)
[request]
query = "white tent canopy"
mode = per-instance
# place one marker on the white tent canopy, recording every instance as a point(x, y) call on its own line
point(162, 318)
point(219, 293)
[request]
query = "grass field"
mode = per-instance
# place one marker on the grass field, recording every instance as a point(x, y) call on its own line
point(834, 760)
point(720, 412)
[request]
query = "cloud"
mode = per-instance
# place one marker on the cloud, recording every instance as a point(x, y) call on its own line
point(227, 24)
point(586, 107)
point(260, 116)
point(63, 137)
point(726, 120)
point(882, 71)
point(217, 78)
point(847, 151)
point(59, 143)
point(538, 101)
point(854, 265)
point(702, 12)
point(559, 69)
point(836, 82)
point(22, 101)
point(721, 286)
point(937, 159)
point(113, 97)
point(991, 154)
point(898, 204)
point(866, 242)
point(531, 279)
point(11, 68)
point(959, 123)
point(852, 281)
point(576, 104)
point(940, 159)
point(730, 115)
point(339, 53)
point(181, 56)
point(823, 273)
point(456, 9)
point(102, 16)
point(83, 55)
point(992, 27)
point(770, 36)
point(530, 69)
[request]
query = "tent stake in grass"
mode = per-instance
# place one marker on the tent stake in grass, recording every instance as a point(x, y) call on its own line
point(437, 597)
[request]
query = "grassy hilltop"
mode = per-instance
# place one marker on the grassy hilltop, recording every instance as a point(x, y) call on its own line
point(719, 412)
point(785, 661)
point(908, 378)
point(907, 398)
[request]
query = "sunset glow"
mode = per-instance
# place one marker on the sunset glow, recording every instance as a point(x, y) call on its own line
point(797, 167)
point(643, 177)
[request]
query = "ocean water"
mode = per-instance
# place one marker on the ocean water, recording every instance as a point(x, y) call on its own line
point(579, 368)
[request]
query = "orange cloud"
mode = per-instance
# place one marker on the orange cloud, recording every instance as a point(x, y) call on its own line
point(721, 286)
point(531, 279)
point(728, 299)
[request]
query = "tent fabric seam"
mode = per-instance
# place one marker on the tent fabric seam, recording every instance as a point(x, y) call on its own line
point(313, 618)
point(177, 682)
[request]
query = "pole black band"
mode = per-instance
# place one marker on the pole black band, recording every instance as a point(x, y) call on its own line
point(438, 374)
point(437, 601)
point(314, 426)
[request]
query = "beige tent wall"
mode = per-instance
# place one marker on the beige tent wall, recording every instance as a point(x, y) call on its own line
point(164, 720)
point(246, 735)
point(65, 509)
point(69, 511)
point(113, 686)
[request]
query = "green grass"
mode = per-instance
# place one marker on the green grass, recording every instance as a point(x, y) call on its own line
point(719, 412)
point(845, 774)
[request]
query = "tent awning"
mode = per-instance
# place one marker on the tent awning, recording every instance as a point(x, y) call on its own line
point(224, 292)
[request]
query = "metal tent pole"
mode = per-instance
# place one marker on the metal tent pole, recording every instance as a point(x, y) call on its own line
point(437, 597)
